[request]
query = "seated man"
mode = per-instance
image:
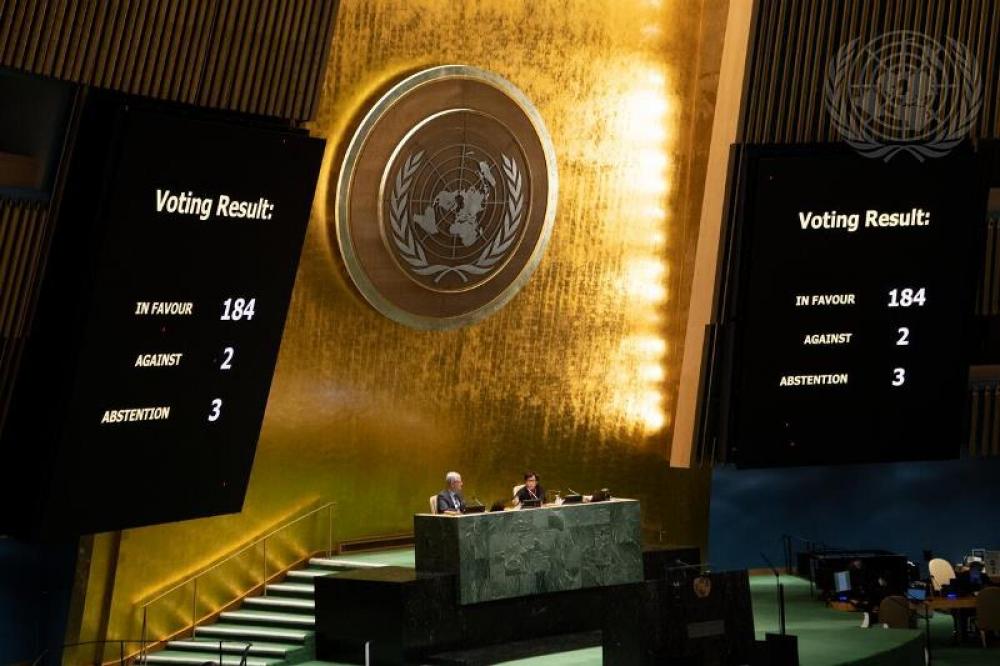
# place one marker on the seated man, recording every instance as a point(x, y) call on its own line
point(530, 490)
point(450, 500)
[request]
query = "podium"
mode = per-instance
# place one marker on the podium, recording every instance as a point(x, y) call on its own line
point(556, 577)
point(684, 618)
point(510, 554)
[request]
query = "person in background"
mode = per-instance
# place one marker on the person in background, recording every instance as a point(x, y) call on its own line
point(531, 490)
point(450, 500)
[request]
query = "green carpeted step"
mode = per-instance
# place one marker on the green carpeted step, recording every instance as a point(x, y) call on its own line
point(291, 589)
point(302, 575)
point(339, 564)
point(190, 658)
point(280, 604)
point(249, 632)
point(273, 619)
point(257, 649)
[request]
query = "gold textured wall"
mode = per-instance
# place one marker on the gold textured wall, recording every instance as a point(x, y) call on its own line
point(575, 378)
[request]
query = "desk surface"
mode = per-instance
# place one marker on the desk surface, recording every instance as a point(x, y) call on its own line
point(516, 509)
point(934, 603)
point(505, 554)
point(946, 603)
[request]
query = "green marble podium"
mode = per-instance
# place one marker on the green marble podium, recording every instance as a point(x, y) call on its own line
point(501, 555)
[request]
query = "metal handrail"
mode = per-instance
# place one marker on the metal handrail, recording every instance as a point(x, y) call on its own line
point(123, 642)
point(194, 578)
point(328, 505)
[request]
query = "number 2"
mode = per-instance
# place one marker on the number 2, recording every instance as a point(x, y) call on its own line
point(227, 363)
point(904, 337)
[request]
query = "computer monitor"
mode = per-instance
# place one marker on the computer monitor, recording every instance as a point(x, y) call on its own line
point(842, 581)
point(531, 503)
point(917, 593)
point(602, 495)
point(475, 506)
point(992, 561)
point(965, 582)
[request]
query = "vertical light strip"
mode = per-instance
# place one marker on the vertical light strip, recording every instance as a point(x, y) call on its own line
point(646, 118)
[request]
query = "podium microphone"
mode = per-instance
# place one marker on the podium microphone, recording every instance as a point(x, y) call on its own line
point(681, 564)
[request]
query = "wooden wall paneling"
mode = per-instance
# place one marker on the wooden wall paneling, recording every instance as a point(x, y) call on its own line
point(257, 56)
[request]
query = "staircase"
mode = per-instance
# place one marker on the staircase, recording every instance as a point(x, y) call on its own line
point(275, 629)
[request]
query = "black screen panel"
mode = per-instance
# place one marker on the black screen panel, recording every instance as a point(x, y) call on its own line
point(152, 352)
point(852, 305)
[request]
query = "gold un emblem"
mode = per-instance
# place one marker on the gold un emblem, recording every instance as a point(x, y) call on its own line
point(446, 198)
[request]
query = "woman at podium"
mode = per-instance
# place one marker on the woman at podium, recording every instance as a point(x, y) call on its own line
point(531, 493)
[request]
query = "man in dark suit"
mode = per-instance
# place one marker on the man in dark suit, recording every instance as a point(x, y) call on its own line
point(450, 500)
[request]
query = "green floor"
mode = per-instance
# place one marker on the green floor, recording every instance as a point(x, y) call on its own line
point(826, 637)
point(401, 557)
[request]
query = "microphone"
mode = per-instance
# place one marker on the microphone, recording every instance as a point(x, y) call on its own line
point(680, 564)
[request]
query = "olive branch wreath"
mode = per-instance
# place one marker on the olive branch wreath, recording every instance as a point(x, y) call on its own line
point(872, 143)
point(412, 252)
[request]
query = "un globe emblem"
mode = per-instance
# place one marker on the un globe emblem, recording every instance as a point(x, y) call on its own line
point(464, 202)
point(456, 214)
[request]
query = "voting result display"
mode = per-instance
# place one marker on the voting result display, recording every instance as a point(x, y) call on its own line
point(850, 293)
point(142, 391)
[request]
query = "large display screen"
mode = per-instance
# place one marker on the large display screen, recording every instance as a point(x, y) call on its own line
point(162, 312)
point(853, 291)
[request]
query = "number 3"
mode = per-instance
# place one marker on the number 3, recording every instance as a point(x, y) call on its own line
point(900, 376)
point(216, 410)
